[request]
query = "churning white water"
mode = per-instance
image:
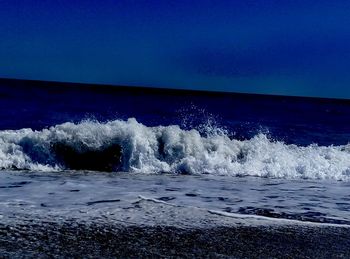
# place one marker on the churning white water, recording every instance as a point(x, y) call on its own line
point(170, 149)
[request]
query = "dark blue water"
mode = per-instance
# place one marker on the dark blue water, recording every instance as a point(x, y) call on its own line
point(301, 121)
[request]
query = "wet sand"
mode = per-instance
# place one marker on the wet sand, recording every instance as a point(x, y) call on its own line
point(157, 230)
point(72, 240)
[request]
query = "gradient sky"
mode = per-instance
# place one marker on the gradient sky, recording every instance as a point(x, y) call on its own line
point(275, 47)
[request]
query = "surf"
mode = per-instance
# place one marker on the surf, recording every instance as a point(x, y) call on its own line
point(130, 146)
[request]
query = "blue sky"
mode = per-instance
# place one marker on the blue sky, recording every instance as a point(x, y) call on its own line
point(274, 47)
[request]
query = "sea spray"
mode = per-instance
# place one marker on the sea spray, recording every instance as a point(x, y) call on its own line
point(169, 149)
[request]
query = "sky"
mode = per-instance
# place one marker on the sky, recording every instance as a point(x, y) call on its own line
point(273, 47)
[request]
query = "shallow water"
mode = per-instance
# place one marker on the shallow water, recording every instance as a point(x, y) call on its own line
point(67, 193)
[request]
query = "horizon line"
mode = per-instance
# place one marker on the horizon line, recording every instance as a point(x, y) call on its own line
point(165, 89)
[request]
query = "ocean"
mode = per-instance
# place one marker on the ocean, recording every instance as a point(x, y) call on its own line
point(94, 153)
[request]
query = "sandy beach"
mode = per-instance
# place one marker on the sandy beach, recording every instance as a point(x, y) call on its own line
point(159, 230)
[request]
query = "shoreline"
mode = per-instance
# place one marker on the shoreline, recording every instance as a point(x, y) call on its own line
point(158, 230)
point(93, 240)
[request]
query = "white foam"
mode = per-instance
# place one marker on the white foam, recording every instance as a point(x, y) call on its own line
point(246, 216)
point(171, 149)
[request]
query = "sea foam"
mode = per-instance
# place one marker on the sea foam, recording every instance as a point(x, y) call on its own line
point(168, 149)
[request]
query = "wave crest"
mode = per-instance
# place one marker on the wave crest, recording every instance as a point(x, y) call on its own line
point(133, 147)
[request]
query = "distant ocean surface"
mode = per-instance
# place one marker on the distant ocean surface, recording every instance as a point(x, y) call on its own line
point(279, 157)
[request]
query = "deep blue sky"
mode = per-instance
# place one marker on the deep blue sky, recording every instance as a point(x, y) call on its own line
point(277, 47)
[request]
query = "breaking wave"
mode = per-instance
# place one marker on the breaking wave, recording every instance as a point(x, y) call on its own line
point(130, 146)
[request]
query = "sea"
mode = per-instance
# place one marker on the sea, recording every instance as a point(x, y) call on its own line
point(78, 150)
